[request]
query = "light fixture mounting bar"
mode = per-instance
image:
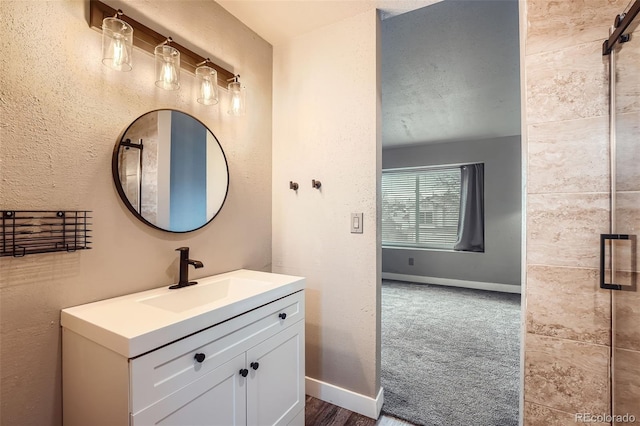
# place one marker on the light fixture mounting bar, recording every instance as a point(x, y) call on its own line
point(147, 39)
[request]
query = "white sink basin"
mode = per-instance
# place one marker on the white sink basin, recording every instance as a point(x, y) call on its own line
point(206, 292)
point(137, 323)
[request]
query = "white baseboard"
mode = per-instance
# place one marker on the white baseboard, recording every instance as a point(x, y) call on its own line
point(344, 398)
point(505, 288)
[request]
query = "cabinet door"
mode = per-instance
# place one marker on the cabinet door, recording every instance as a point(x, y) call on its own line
point(275, 390)
point(160, 373)
point(216, 399)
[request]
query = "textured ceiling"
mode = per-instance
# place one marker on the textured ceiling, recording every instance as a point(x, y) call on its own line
point(450, 72)
point(450, 69)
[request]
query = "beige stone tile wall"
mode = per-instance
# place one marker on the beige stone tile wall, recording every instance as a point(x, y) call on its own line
point(627, 76)
point(564, 229)
point(145, 130)
point(627, 383)
point(567, 343)
point(558, 162)
point(627, 152)
point(557, 25)
point(567, 375)
point(567, 303)
point(627, 318)
point(626, 303)
point(539, 415)
point(567, 84)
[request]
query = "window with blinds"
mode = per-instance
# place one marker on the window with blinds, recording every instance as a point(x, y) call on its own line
point(420, 207)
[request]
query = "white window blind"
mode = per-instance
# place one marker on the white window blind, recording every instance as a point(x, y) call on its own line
point(420, 207)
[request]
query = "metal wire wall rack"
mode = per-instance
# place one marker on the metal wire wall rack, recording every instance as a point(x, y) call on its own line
point(36, 231)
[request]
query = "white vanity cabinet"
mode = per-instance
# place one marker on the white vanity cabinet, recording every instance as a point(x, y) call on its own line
point(246, 370)
point(270, 395)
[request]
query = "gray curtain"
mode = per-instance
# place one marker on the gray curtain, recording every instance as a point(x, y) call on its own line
point(471, 223)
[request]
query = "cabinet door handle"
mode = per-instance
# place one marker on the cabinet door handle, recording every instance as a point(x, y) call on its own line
point(254, 365)
point(282, 315)
point(244, 372)
point(199, 357)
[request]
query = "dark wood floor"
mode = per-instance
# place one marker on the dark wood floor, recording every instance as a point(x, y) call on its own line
point(320, 413)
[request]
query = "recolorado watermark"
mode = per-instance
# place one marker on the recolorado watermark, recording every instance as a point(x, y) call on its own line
point(604, 418)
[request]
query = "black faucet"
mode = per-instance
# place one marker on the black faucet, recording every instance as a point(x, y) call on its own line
point(184, 268)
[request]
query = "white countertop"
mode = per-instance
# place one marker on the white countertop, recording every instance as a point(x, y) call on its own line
point(131, 325)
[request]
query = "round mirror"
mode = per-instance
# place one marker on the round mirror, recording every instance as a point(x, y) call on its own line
point(170, 171)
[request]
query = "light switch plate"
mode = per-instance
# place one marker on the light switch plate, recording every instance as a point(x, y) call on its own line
point(356, 223)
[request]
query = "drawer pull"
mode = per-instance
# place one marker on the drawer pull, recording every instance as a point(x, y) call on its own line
point(282, 315)
point(199, 357)
point(244, 372)
point(255, 365)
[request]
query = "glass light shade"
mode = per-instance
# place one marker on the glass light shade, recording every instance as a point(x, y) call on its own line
point(237, 101)
point(117, 44)
point(208, 82)
point(167, 67)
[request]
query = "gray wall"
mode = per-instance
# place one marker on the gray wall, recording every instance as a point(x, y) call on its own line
point(454, 55)
point(500, 263)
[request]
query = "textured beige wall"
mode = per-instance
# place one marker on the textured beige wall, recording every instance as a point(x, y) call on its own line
point(62, 111)
point(326, 127)
point(567, 314)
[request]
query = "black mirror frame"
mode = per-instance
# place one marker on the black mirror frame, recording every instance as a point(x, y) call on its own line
point(123, 197)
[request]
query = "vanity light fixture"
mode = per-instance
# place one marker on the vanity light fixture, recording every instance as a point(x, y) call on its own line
point(167, 66)
point(117, 42)
point(237, 93)
point(208, 83)
point(147, 39)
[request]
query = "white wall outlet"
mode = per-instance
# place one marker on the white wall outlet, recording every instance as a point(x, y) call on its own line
point(356, 223)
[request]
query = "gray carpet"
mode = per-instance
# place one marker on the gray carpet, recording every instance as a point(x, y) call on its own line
point(450, 356)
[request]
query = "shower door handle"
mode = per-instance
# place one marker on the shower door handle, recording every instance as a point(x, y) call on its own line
point(603, 238)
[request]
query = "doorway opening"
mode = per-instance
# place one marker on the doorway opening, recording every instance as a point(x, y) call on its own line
point(451, 315)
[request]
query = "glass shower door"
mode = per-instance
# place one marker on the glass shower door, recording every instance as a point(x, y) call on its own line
point(624, 257)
